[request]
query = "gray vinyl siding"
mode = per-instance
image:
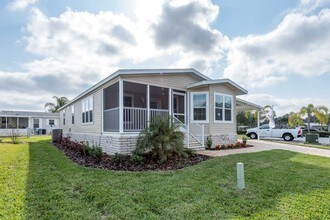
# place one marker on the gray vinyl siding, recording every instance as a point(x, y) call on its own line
point(175, 81)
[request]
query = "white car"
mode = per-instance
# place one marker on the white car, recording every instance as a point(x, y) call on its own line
point(267, 132)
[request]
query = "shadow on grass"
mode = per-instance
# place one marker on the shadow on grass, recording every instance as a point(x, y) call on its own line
point(57, 188)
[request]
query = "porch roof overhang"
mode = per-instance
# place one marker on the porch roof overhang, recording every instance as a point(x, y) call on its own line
point(242, 105)
point(133, 72)
point(238, 89)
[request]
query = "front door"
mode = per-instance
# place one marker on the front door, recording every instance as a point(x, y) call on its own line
point(179, 106)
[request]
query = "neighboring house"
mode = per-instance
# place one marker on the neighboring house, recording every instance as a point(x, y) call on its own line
point(115, 110)
point(23, 121)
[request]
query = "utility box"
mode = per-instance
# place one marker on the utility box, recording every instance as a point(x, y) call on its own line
point(56, 135)
point(312, 138)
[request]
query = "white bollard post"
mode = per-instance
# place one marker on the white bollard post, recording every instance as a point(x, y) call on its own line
point(240, 176)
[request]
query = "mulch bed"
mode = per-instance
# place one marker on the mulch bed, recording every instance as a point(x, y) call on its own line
point(232, 148)
point(125, 163)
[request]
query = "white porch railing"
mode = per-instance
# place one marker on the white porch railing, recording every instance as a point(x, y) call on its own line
point(200, 139)
point(136, 119)
point(159, 112)
point(188, 133)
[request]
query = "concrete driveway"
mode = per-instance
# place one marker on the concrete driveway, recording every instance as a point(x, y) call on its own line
point(260, 145)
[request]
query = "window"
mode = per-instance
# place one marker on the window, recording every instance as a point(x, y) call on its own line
point(200, 106)
point(223, 107)
point(12, 122)
point(23, 123)
point(72, 114)
point(63, 117)
point(35, 123)
point(87, 110)
point(3, 122)
point(51, 122)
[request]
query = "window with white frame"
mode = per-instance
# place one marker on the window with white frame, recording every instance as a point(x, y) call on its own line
point(72, 114)
point(63, 117)
point(87, 110)
point(200, 106)
point(223, 107)
point(51, 122)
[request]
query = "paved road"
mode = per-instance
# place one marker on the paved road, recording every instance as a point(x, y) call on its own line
point(260, 145)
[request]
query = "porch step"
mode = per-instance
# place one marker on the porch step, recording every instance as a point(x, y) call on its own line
point(194, 144)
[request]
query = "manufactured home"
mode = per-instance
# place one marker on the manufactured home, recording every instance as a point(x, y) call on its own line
point(114, 111)
point(24, 122)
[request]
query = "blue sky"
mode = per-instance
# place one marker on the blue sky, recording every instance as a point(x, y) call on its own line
point(278, 50)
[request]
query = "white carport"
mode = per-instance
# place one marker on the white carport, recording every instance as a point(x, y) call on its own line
point(242, 105)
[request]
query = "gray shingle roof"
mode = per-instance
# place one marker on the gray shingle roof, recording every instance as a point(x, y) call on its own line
point(28, 114)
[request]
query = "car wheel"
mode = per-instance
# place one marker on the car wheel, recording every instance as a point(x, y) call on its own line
point(288, 137)
point(253, 135)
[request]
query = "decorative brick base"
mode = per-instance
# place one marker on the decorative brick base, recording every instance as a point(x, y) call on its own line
point(224, 139)
point(111, 144)
point(126, 143)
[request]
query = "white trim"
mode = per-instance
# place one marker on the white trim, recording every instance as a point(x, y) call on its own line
point(148, 105)
point(102, 110)
point(170, 101)
point(207, 106)
point(121, 108)
point(223, 108)
point(218, 81)
point(123, 72)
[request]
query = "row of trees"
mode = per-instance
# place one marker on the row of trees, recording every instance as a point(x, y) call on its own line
point(306, 115)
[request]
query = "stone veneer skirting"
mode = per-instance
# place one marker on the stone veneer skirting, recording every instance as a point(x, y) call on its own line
point(224, 139)
point(111, 144)
point(126, 143)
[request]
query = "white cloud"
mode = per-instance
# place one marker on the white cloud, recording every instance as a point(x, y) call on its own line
point(19, 5)
point(299, 45)
point(284, 105)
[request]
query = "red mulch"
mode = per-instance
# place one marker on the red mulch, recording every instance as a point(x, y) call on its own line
point(124, 162)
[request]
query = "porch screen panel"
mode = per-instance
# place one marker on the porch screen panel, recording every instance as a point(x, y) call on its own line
point(159, 101)
point(135, 106)
point(12, 122)
point(111, 108)
point(23, 123)
point(135, 95)
point(3, 122)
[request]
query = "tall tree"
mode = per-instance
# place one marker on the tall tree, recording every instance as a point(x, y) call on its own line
point(59, 102)
point(322, 116)
point(308, 111)
point(295, 120)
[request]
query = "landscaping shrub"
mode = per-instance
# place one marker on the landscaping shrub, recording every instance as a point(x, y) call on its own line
point(14, 137)
point(0, 140)
point(161, 140)
point(86, 149)
point(117, 158)
point(137, 159)
point(209, 142)
point(244, 139)
point(97, 152)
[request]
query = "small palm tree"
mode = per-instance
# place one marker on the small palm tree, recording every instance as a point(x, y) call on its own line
point(60, 101)
point(161, 140)
point(308, 111)
point(322, 115)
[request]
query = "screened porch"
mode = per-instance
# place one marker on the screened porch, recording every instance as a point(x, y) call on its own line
point(129, 106)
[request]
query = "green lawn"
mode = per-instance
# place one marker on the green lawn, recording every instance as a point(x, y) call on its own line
point(39, 182)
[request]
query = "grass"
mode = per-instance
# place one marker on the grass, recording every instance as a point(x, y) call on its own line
point(39, 182)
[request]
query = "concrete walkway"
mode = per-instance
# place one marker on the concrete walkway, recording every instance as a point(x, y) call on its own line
point(260, 145)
